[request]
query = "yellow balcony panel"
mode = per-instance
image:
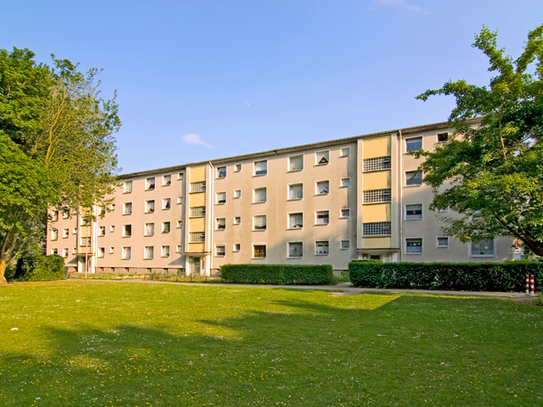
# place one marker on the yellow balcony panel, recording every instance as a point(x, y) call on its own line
point(376, 180)
point(196, 247)
point(376, 147)
point(376, 243)
point(197, 225)
point(376, 213)
point(198, 174)
point(198, 199)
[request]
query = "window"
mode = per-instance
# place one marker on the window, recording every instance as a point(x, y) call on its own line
point(127, 187)
point(237, 247)
point(322, 218)
point(74, 230)
point(259, 195)
point(413, 178)
point(166, 227)
point(413, 144)
point(65, 252)
point(54, 216)
point(85, 221)
point(180, 176)
point(165, 251)
point(261, 167)
point(101, 230)
point(259, 222)
point(237, 193)
point(150, 184)
point(65, 233)
point(85, 241)
point(149, 206)
point(413, 246)
point(166, 180)
point(220, 197)
point(149, 229)
point(197, 237)
point(237, 220)
point(220, 250)
point(179, 200)
point(126, 253)
point(220, 223)
point(321, 248)
point(65, 214)
point(443, 242)
point(296, 220)
point(237, 168)
point(112, 207)
point(442, 137)
point(111, 250)
point(127, 230)
point(322, 157)
point(345, 182)
point(198, 186)
point(345, 213)
point(345, 151)
point(296, 191)
point(484, 248)
point(377, 195)
point(74, 251)
point(221, 172)
point(178, 248)
point(379, 163)
point(296, 163)
point(345, 245)
point(413, 212)
point(198, 212)
point(166, 203)
point(101, 252)
point(443, 210)
point(295, 249)
point(127, 208)
point(54, 251)
point(179, 224)
point(259, 251)
point(323, 187)
point(54, 234)
point(376, 229)
point(148, 252)
point(112, 229)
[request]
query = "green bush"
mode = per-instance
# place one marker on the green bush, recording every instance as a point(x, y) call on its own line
point(286, 274)
point(40, 268)
point(510, 276)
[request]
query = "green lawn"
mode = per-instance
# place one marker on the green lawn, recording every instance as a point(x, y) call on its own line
point(136, 344)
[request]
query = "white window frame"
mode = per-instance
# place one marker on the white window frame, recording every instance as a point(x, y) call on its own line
point(101, 231)
point(148, 252)
point(441, 134)
point(54, 234)
point(290, 186)
point(178, 248)
point(237, 193)
point(150, 184)
point(149, 226)
point(295, 243)
point(442, 237)
point(341, 244)
point(165, 251)
point(126, 253)
point(237, 220)
point(317, 247)
point(166, 204)
point(254, 195)
point(413, 138)
point(317, 218)
point(494, 249)
point(218, 222)
point(421, 245)
point(345, 151)
point(342, 215)
point(265, 250)
point(412, 218)
point(237, 167)
point(65, 233)
point(317, 193)
point(345, 182)
point(163, 227)
point(166, 180)
point(112, 229)
point(101, 252)
point(148, 204)
point(255, 170)
point(219, 201)
point(179, 224)
point(417, 174)
point(127, 211)
point(127, 187)
point(217, 246)
point(236, 247)
point(290, 165)
point(111, 249)
point(289, 223)
point(219, 170)
point(323, 154)
point(180, 176)
point(266, 221)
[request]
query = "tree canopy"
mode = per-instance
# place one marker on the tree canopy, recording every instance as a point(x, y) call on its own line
point(58, 149)
point(492, 173)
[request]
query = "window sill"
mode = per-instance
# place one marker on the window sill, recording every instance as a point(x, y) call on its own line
point(321, 224)
point(126, 214)
point(260, 202)
point(124, 237)
point(295, 170)
point(344, 217)
point(409, 220)
point(259, 175)
point(300, 228)
point(147, 212)
point(322, 194)
point(321, 165)
point(412, 186)
point(294, 199)
point(125, 258)
point(258, 258)
point(148, 235)
point(414, 253)
point(220, 203)
point(166, 185)
point(166, 233)
point(166, 209)
point(321, 254)
point(259, 230)
point(375, 203)
point(482, 255)
point(344, 186)
point(442, 247)
point(295, 258)
point(220, 230)
point(164, 257)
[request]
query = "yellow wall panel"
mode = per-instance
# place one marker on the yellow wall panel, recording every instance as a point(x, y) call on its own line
point(376, 180)
point(198, 199)
point(377, 147)
point(376, 213)
point(198, 174)
point(376, 243)
point(197, 225)
point(196, 247)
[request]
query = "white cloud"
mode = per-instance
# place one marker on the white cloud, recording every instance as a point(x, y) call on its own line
point(398, 3)
point(195, 139)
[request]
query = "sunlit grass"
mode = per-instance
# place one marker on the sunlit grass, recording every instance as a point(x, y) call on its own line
point(112, 344)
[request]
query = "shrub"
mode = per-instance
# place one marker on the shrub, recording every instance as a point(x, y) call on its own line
point(40, 268)
point(277, 274)
point(508, 276)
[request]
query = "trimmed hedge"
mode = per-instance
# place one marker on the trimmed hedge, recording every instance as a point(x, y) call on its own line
point(40, 268)
point(286, 274)
point(510, 276)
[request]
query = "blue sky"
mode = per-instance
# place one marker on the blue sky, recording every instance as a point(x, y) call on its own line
point(203, 79)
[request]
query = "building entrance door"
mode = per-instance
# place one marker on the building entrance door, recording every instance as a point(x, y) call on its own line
point(194, 265)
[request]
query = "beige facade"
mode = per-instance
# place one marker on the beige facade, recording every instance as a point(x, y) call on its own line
point(324, 203)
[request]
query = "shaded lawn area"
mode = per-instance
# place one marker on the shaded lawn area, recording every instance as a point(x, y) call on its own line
point(111, 344)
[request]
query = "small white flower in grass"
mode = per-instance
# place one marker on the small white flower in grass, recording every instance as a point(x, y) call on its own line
point(14, 329)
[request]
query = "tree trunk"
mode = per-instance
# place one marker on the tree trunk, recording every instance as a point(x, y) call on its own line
point(3, 280)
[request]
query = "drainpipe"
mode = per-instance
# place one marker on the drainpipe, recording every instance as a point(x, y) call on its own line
point(211, 225)
point(400, 195)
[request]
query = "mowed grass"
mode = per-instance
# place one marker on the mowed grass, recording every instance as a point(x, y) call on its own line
point(136, 344)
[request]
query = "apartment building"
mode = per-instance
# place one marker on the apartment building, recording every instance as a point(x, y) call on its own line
point(323, 203)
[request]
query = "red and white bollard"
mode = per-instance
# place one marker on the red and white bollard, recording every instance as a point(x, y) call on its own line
point(527, 284)
point(532, 282)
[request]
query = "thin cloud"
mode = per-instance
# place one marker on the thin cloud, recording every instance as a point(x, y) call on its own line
point(400, 4)
point(195, 139)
